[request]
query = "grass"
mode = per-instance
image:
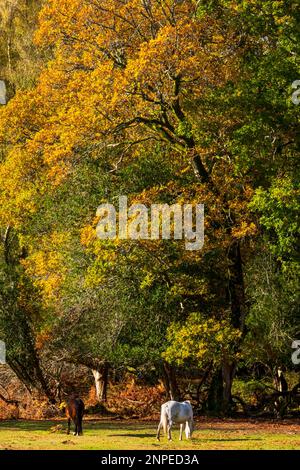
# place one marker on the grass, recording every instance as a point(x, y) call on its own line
point(120, 435)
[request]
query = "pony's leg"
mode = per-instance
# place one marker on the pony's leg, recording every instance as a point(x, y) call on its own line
point(80, 427)
point(158, 430)
point(69, 425)
point(169, 430)
point(181, 429)
point(191, 424)
point(75, 433)
point(188, 429)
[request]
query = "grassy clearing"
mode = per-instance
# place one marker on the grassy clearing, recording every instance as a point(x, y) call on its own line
point(100, 435)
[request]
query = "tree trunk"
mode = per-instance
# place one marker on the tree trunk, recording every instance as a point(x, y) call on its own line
point(29, 372)
point(215, 394)
point(228, 371)
point(170, 382)
point(236, 294)
point(101, 381)
point(203, 380)
point(236, 289)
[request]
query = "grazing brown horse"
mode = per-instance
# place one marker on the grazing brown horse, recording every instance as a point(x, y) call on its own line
point(74, 412)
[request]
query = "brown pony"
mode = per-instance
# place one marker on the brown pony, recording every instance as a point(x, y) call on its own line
point(74, 411)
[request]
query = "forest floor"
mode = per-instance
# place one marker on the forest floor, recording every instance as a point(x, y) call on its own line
point(100, 434)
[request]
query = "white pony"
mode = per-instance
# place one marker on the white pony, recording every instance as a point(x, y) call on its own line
point(176, 412)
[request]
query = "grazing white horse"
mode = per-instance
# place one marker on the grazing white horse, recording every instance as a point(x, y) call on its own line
point(176, 412)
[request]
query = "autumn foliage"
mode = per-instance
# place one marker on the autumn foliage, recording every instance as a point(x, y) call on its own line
point(163, 101)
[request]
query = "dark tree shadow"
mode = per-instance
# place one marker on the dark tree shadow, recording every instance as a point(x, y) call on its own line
point(133, 435)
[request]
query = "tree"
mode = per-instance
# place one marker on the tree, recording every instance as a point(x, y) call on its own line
point(145, 99)
point(19, 316)
point(204, 86)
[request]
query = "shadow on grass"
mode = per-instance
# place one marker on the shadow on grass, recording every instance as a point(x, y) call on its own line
point(46, 425)
point(133, 435)
point(233, 439)
point(194, 441)
point(28, 425)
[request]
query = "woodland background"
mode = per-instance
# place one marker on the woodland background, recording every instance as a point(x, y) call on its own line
point(165, 101)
